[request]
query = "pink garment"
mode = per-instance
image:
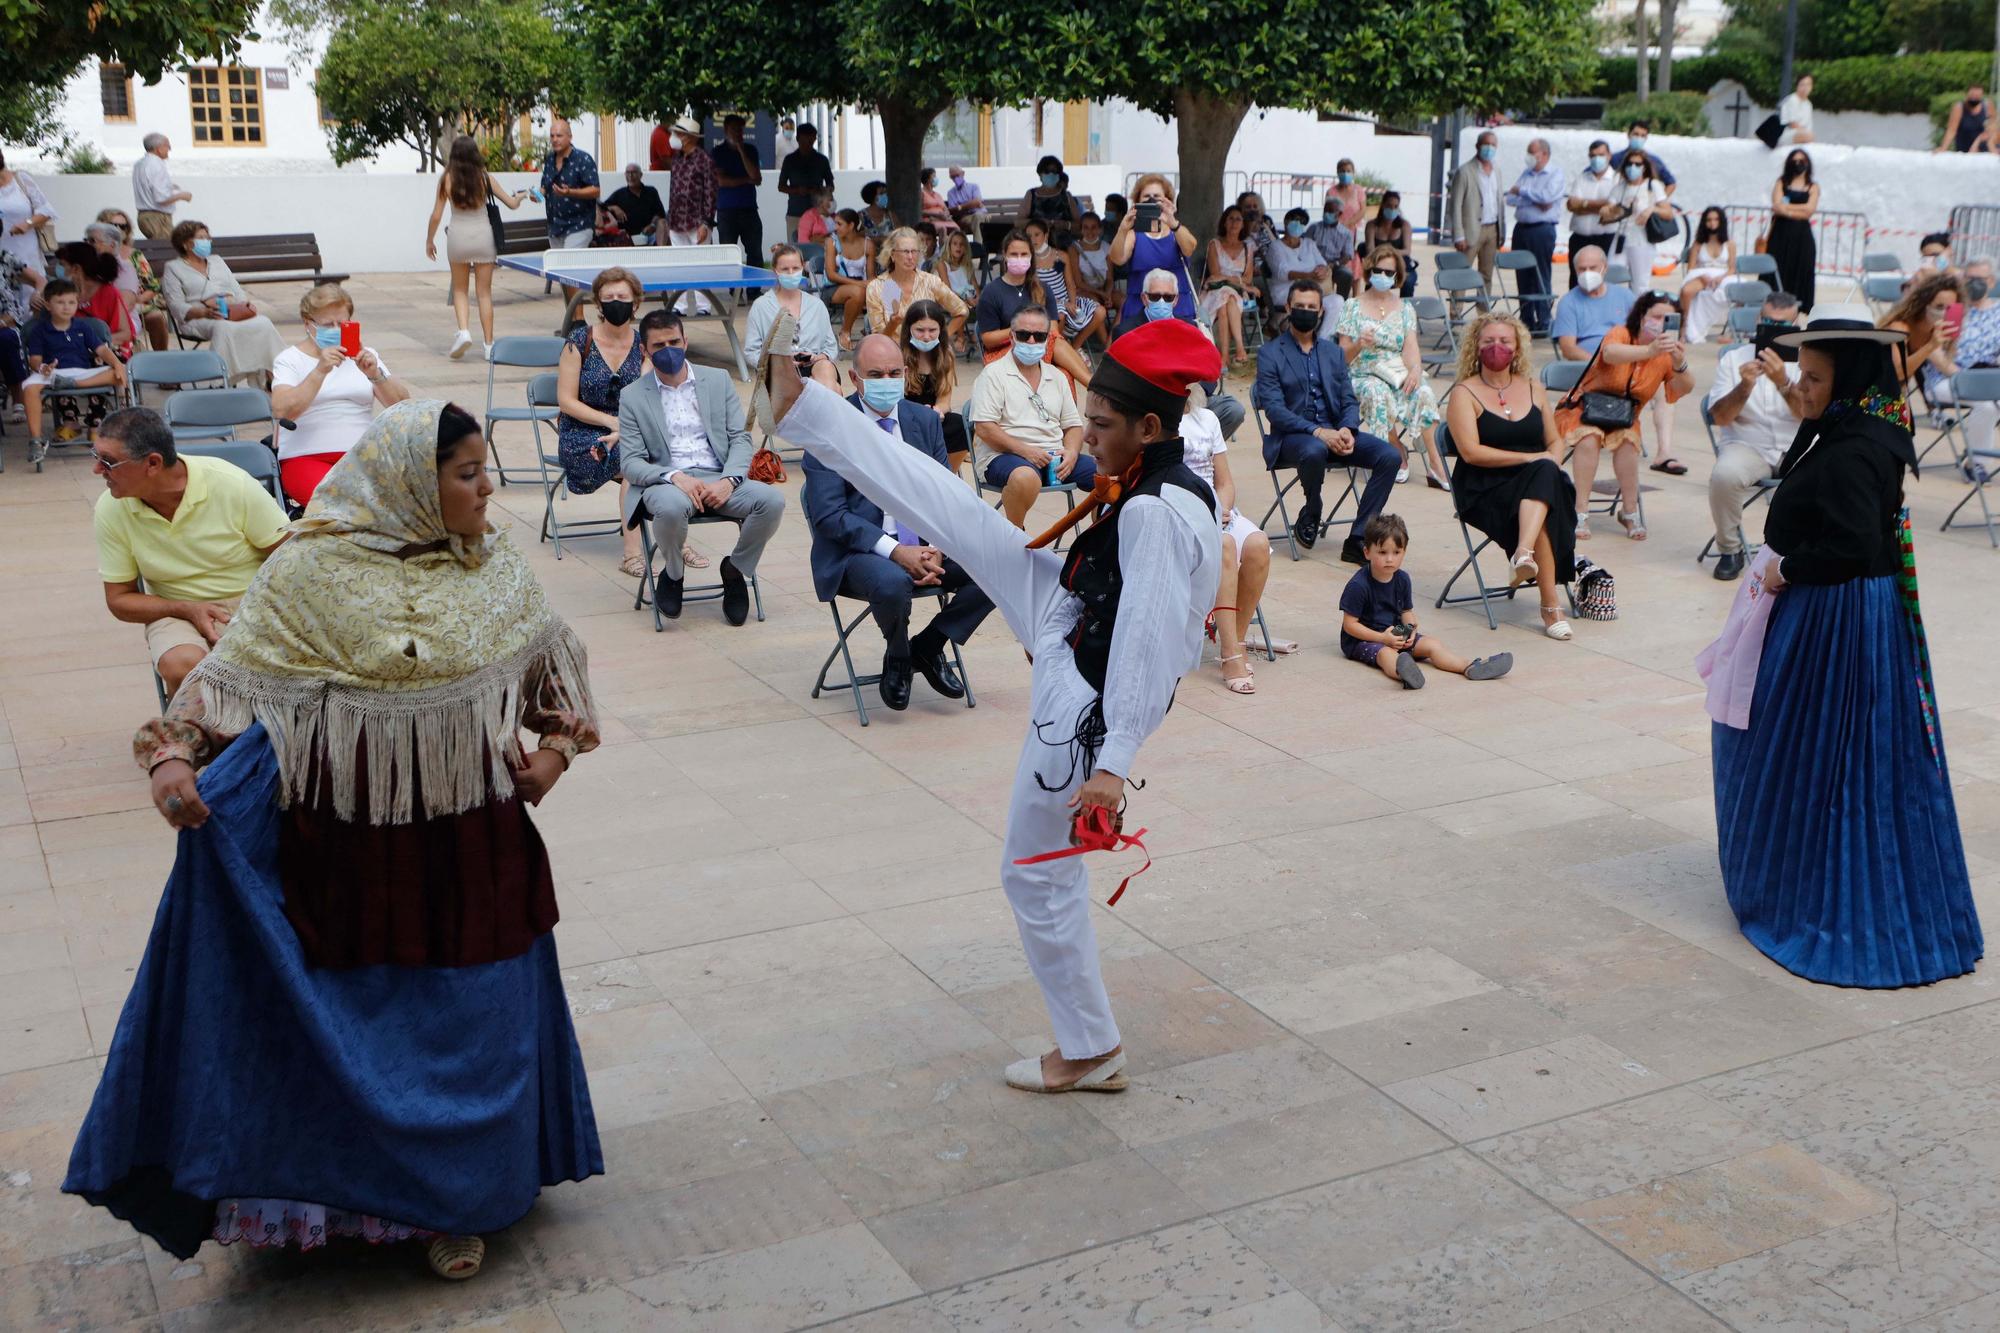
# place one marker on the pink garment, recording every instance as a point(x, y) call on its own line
point(1729, 665)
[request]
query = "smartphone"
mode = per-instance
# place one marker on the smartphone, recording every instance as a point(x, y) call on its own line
point(1673, 323)
point(350, 337)
point(1766, 341)
point(1954, 315)
point(1148, 216)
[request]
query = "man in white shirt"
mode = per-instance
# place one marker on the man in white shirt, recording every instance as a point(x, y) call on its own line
point(1593, 189)
point(1755, 405)
point(1026, 431)
point(153, 190)
point(684, 449)
point(1795, 113)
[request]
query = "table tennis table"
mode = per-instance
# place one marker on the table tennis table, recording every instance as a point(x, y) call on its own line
point(714, 271)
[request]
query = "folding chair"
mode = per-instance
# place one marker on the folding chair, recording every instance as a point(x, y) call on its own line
point(1437, 338)
point(542, 396)
point(216, 414)
point(1752, 294)
point(1764, 489)
point(542, 353)
point(38, 448)
point(1461, 287)
point(159, 682)
point(1452, 259)
point(1881, 292)
point(1486, 593)
point(1877, 261)
point(1741, 324)
point(194, 367)
point(1518, 262)
point(1279, 489)
point(1973, 456)
point(856, 681)
point(1067, 489)
point(1558, 378)
point(700, 592)
point(1617, 273)
point(253, 456)
point(1756, 265)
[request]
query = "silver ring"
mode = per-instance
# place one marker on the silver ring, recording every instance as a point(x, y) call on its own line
point(174, 805)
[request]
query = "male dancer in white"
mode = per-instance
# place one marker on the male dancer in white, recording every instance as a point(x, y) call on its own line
point(1111, 628)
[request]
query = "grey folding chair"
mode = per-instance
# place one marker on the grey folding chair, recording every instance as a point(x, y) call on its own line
point(1756, 265)
point(1460, 288)
point(253, 456)
point(1877, 261)
point(1447, 259)
point(1881, 291)
point(192, 367)
point(1279, 489)
point(700, 592)
point(1525, 304)
point(1742, 323)
point(855, 680)
point(1753, 293)
point(1067, 489)
point(1618, 273)
point(217, 414)
point(541, 397)
point(1977, 460)
point(536, 353)
point(1487, 593)
point(1437, 337)
point(1764, 489)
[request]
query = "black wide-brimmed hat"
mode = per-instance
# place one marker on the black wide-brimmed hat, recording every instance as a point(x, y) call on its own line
point(1841, 330)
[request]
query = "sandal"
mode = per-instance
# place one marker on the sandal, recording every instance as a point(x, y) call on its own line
point(456, 1258)
point(1525, 568)
point(1673, 467)
point(1243, 684)
point(1634, 525)
point(1583, 527)
point(633, 567)
point(692, 558)
point(1560, 629)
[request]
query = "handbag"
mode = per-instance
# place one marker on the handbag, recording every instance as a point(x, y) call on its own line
point(1596, 592)
point(1606, 411)
point(767, 467)
point(1660, 230)
point(493, 221)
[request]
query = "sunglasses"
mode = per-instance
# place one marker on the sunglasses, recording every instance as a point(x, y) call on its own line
point(109, 463)
point(1385, 272)
point(1031, 335)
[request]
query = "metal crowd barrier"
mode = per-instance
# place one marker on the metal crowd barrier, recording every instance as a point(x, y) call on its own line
point(1840, 239)
point(1975, 233)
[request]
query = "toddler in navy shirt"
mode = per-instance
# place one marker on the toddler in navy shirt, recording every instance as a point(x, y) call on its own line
point(1378, 621)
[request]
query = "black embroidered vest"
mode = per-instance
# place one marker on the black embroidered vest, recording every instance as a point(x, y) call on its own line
point(1092, 572)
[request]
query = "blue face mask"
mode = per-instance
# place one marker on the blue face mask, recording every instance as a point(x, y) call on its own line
point(1030, 353)
point(1159, 309)
point(1487, 152)
point(669, 360)
point(1598, 162)
point(1345, 178)
point(1381, 282)
point(791, 282)
point(1051, 179)
point(1634, 172)
point(882, 394)
point(1295, 229)
point(326, 337)
point(1331, 216)
point(201, 247)
point(1637, 141)
point(1391, 214)
point(924, 344)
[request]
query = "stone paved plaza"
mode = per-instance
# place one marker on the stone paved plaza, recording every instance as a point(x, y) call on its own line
point(1438, 1018)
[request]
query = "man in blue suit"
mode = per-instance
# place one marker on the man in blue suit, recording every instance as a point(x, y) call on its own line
point(858, 551)
point(1310, 409)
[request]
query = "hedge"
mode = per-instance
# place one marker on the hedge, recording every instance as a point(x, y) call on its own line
point(1905, 83)
point(1676, 112)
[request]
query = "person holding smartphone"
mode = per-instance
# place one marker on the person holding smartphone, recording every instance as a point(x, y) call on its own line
point(1755, 405)
point(1151, 236)
point(328, 384)
point(1930, 313)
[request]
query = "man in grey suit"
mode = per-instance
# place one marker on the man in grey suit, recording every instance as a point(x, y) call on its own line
point(1477, 208)
point(684, 447)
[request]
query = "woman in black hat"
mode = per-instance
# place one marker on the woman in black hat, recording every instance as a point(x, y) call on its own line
point(1838, 837)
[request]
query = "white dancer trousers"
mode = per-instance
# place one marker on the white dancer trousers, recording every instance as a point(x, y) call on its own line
point(1051, 900)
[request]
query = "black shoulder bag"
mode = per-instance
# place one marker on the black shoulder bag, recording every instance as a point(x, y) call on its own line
point(1606, 411)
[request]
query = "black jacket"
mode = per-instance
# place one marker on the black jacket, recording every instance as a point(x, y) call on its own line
point(1834, 517)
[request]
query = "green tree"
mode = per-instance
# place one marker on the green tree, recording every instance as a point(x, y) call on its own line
point(908, 60)
point(416, 71)
point(1831, 29)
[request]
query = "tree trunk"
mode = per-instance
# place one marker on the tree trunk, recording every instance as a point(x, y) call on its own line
point(1206, 127)
point(1665, 83)
point(1643, 50)
point(904, 125)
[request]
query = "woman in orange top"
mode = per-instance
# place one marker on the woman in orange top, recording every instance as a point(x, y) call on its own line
point(1638, 361)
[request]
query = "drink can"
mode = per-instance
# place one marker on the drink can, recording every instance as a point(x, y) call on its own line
point(222, 306)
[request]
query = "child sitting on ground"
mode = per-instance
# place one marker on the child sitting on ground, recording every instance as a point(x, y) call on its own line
point(1378, 626)
point(63, 350)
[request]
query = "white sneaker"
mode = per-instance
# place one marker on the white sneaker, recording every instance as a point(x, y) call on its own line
point(459, 344)
point(17, 412)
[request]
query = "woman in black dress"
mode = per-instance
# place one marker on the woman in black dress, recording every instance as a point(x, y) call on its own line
point(930, 374)
point(1509, 482)
point(1794, 199)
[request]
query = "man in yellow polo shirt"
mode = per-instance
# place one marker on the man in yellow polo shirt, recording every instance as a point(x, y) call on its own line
point(195, 529)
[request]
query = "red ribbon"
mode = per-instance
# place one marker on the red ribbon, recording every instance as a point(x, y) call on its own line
point(1095, 831)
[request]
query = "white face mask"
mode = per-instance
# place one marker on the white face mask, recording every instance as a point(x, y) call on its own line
point(1589, 279)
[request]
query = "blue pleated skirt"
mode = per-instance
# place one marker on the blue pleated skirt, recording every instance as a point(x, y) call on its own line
point(1838, 835)
point(443, 1098)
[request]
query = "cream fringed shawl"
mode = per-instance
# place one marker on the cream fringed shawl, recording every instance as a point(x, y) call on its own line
point(423, 663)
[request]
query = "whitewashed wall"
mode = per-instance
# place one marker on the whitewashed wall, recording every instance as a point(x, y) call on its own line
point(1860, 129)
point(1904, 194)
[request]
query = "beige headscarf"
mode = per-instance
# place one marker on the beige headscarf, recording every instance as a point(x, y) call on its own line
point(424, 663)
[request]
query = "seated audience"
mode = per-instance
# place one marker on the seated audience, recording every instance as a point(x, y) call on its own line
point(1246, 551)
point(1090, 260)
point(1049, 199)
point(1756, 407)
point(1231, 287)
point(850, 267)
point(1026, 430)
point(1016, 288)
point(1077, 316)
point(930, 375)
point(1313, 418)
point(1162, 243)
point(1509, 483)
point(65, 352)
point(956, 266)
point(1291, 258)
point(112, 235)
point(1977, 348)
point(876, 219)
point(931, 205)
point(1333, 236)
point(633, 211)
point(599, 362)
point(1256, 222)
point(1378, 617)
point(96, 278)
point(1160, 298)
point(1637, 360)
point(20, 288)
point(814, 328)
point(1924, 315)
point(1389, 227)
point(1934, 253)
point(860, 552)
point(1590, 309)
point(330, 395)
point(686, 450)
point(209, 305)
point(1378, 335)
point(194, 529)
point(815, 225)
point(967, 205)
point(1711, 264)
point(905, 281)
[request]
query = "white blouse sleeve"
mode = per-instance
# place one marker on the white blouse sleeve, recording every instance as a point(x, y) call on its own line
point(1157, 554)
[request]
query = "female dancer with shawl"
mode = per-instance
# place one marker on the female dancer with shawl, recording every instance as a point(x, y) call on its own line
point(349, 1019)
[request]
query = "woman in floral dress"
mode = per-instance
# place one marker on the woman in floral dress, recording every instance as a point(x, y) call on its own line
point(1378, 333)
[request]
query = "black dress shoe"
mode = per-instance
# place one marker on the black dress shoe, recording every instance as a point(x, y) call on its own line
point(1306, 530)
point(895, 684)
point(938, 671)
point(735, 595)
point(1351, 552)
point(1728, 565)
point(667, 595)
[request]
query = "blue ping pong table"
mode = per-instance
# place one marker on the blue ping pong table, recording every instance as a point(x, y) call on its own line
point(714, 271)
